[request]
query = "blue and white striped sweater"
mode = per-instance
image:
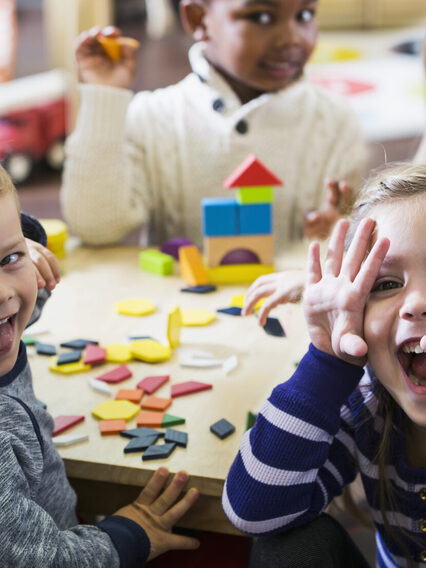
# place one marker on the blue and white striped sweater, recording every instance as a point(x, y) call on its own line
point(314, 434)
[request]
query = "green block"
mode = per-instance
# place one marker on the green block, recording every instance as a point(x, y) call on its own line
point(250, 420)
point(170, 420)
point(255, 194)
point(28, 340)
point(156, 261)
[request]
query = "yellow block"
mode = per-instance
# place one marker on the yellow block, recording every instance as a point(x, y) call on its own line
point(68, 368)
point(238, 273)
point(115, 410)
point(197, 317)
point(238, 302)
point(57, 235)
point(174, 326)
point(112, 45)
point(118, 353)
point(191, 266)
point(149, 350)
point(135, 307)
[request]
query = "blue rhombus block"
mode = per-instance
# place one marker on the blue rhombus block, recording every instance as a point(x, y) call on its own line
point(255, 219)
point(219, 216)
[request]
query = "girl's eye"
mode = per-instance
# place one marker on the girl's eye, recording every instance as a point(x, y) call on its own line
point(263, 18)
point(306, 16)
point(386, 285)
point(10, 258)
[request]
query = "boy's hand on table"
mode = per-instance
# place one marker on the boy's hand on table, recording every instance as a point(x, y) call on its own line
point(279, 288)
point(318, 224)
point(46, 264)
point(94, 65)
point(156, 510)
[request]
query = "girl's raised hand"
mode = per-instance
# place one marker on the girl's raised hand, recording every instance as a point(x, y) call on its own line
point(94, 65)
point(336, 295)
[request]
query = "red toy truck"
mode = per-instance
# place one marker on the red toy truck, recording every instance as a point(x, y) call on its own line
point(33, 122)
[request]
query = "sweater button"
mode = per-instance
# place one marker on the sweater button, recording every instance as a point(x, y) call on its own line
point(422, 525)
point(422, 493)
point(241, 126)
point(218, 105)
point(422, 556)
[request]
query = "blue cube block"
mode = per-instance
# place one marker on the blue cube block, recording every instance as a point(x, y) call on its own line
point(220, 216)
point(255, 219)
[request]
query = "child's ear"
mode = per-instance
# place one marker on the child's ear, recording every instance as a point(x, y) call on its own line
point(192, 14)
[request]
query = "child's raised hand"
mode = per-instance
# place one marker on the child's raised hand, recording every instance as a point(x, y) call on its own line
point(318, 224)
point(156, 511)
point(336, 295)
point(46, 264)
point(279, 288)
point(94, 65)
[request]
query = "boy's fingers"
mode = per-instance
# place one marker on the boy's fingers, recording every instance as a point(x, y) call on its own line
point(172, 516)
point(153, 487)
point(252, 299)
point(174, 542)
point(169, 496)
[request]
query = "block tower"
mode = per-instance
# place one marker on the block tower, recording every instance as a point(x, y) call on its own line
point(238, 231)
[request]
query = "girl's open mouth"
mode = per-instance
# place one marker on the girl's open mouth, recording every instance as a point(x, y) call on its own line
point(412, 359)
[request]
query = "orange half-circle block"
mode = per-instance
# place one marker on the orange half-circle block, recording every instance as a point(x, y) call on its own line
point(112, 45)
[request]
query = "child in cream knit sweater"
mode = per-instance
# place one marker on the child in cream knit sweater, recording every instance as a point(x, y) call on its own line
point(147, 160)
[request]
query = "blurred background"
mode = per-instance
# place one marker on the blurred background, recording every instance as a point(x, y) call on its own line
point(369, 52)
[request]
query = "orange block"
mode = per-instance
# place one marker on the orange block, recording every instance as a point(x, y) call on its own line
point(134, 395)
point(112, 45)
point(150, 419)
point(191, 266)
point(107, 427)
point(156, 403)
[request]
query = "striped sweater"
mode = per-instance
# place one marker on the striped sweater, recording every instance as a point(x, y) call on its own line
point(314, 434)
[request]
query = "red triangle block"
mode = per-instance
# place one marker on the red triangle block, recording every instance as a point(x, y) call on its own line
point(251, 173)
point(188, 387)
point(94, 354)
point(116, 375)
point(62, 423)
point(151, 384)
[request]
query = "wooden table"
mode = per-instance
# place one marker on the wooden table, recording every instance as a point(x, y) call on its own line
point(82, 306)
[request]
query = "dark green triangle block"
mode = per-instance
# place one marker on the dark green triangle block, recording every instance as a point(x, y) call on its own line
point(250, 420)
point(170, 420)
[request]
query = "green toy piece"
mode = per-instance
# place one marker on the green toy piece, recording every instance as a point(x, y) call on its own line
point(156, 261)
point(258, 194)
point(250, 420)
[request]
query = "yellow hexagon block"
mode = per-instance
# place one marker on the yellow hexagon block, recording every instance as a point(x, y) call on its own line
point(135, 307)
point(197, 317)
point(116, 409)
point(118, 353)
point(174, 326)
point(68, 368)
point(149, 350)
point(238, 301)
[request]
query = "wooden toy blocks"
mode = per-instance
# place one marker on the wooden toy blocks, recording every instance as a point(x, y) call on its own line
point(115, 410)
point(189, 387)
point(62, 423)
point(174, 325)
point(216, 248)
point(135, 307)
point(109, 427)
point(150, 351)
point(112, 45)
point(117, 375)
point(191, 266)
point(156, 403)
point(157, 262)
point(134, 395)
point(151, 384)
point(219, 216)
point(222, 428)
point(251, 173)
point(161, 451)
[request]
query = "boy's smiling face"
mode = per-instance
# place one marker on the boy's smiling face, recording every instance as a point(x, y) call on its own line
point(18, 285)
point(395, 315)
point(257, 45)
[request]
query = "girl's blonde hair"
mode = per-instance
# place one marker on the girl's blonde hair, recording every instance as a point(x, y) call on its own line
point(390, 185)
